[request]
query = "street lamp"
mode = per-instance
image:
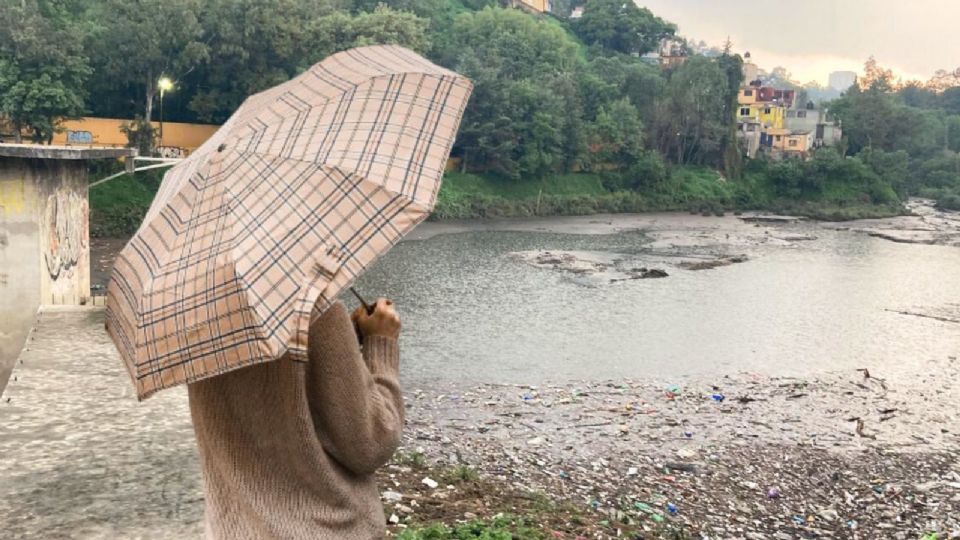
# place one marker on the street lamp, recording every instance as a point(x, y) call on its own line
point(164, 84)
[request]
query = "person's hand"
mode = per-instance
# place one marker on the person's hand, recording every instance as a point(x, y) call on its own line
point(383, 322)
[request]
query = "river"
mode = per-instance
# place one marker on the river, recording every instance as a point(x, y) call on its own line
point(810, 298)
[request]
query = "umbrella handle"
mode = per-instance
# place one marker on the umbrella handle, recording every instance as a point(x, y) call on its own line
point(369, 308)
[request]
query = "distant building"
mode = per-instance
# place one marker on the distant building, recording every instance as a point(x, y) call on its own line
point(531, 6)
point(672, 53)
point(787, 143)
point(751, 71)
point(748, 134)
point(577, 12)
point(842, 80)
point(767, 115)
point(825, 132)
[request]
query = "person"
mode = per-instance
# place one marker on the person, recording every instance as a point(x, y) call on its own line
point(289, 449)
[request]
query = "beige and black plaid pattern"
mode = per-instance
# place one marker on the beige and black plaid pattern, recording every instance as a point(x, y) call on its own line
point(259, 230)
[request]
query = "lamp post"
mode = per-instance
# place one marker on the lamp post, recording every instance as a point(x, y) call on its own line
point(163, 84)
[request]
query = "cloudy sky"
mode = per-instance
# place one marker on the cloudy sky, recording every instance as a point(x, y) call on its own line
point(811, 38)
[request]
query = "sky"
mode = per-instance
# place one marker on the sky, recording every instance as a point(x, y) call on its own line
point(811, 38)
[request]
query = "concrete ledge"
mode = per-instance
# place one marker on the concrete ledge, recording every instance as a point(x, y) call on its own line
point(39, 151)
point(70, 309)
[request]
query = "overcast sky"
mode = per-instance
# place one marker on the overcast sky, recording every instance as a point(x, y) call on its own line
point(811, 38)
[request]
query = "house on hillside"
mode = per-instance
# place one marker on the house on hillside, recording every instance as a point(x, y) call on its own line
point(825, 132)
point(767, 115)
point(783, 142)
point(531, 6)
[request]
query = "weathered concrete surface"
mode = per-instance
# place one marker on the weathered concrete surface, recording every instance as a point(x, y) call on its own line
point(44, 236)
point(79, 456)
point(19, 260)
point(36, 151)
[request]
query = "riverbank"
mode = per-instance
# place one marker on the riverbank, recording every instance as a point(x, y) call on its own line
point(118, 206)
point(847, 454)
point(692, 189)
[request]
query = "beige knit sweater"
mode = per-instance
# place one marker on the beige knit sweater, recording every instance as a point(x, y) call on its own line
point(288, 449)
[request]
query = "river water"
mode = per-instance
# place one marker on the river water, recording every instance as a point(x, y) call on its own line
point(811, 298)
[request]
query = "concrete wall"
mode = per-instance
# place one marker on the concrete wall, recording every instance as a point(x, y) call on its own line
point(44, 245)
point(803, 119)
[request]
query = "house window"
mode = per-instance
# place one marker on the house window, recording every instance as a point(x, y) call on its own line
point(793, 142)
point(766, 111)
point(801, 114)
point(777, 138)
point(744, 111)
point(748, 93)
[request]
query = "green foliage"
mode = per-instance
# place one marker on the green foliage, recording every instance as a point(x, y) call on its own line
point(133, 44)
point(117, 207)
point(460, 473)
point(43, 69)
point(515, 124)
point(498, 528)
point(416, 460)
point(691, 123)
point(622, 27)
point(832, 179)
point(616, 136)
point(252, 46)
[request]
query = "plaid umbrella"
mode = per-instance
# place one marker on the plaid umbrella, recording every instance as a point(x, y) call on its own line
point(256, 233)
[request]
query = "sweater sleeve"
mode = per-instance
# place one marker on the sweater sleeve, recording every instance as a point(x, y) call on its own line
point(354, 396)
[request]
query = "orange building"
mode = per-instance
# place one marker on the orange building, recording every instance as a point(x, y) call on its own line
point(179, 139)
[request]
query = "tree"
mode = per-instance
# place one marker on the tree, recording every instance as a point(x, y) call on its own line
point(913, 94)
point(944, 79)
point(254, 45)
point(622, 26)
point(42, 69)
point(953, 133)
point(691, 123)
point(515, 124)
point(616, 136)
point(876, 78)
point(951, 100)
point(138, 41)
point(251, 45)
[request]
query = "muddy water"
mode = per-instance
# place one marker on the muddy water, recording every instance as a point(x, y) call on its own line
point(810, 298)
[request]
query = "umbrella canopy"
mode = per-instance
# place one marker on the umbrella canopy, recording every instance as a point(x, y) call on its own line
point(256, 233)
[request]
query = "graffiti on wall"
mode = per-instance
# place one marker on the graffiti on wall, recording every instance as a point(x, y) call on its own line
point(66, 218)
point(79, 137)
point(171, 152)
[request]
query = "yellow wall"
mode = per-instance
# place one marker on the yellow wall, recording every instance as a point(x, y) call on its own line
point(744, 99)
point(770, 116)
point(802, 140)
point(106, 132)
point(802, 143)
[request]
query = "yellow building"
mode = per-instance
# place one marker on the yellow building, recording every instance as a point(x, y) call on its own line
point(788, 142)
point(766, 114)
point(747, 96)
point(179, 139)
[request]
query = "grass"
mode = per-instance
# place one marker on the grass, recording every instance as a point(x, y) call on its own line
point(118, 206)
point(460, 473)
point(415, 460)
point(498, 528)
